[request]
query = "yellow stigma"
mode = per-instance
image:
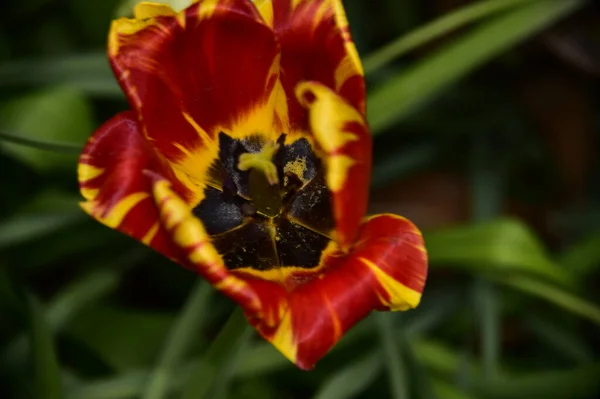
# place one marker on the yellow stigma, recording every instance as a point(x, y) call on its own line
point(262, 161)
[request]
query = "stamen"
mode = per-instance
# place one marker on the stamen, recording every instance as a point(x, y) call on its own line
point(262, 161)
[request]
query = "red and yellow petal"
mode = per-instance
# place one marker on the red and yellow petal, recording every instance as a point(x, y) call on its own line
point(110, 179)
point(315, 45)
point(345, 142)
point(261, 300)
point(385, 271)
point(213, 67)
point(308, 313)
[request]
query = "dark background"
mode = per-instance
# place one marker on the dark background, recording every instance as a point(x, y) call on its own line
point(485, 136)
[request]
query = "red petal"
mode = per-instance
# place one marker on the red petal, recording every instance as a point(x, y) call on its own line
point(191, 75)
point(385, 271)
point(110, 178)
point(315, 45)
point(345, 143)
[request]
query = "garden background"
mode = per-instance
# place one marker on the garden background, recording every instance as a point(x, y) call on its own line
point(485, 116)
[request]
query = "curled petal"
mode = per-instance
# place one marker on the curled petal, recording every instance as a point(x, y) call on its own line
point(260, 299)
point(385, 271)
point(110, 179)
point(188, 76)
point(315, 45)
point(343, 136)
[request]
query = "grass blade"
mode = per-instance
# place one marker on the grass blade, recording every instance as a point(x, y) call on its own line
point(183, 334)
point(72, 300)
point(89, 73)
point(48, 383)
point(553, 294)
point(396, 372)
point(435, 29)
point(497, 247)
point(351, 380)
point(211, 375)
point(487, 182)
point(27, 227)
point(401, 94)
point(70, 148)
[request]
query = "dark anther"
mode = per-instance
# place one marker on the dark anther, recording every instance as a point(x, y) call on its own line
point(248, 209)
point(281, 139)
point(292, 185)
point(262, 226)
point(229, 189)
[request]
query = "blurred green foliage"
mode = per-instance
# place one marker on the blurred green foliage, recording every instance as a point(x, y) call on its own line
point(510, 309)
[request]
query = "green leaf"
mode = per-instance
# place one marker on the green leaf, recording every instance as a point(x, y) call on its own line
point(88, 73)
point(352, 379)
point(125, 385)
point(47, 377)
point(72, 300)
point(440, 358)
point(556, 336)
point(53, 115)
point(404, 92)
point(396, 371)
point(499, 246)
point(261, 358)
point(123, 338)
point(392, 167)
point(583, 257)
point(68, 148)
point(557, 295)
point(579, 383)
point(444, 390)
point(434, 30)
point(211, 376)
point(184, 333)
point(27, 227)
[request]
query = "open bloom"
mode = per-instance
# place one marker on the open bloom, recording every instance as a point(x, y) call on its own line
point(246, 158)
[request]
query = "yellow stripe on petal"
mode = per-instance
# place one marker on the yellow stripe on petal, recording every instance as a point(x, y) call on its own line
point(328, 114)
point(261, 118)
point(400, 296)
point(187, 231)
point(265, 8)
point(337, 171)
point(201, 132)
point(344, 71)
point(117, 213)
point(89, 193)
point(147, 239)
point(147, 9)
point(125, 27)
point(342, 23)
point(87, 172)
point(335, 320)
point(283, 339)
point(207, 8)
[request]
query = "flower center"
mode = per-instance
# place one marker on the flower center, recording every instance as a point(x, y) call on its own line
point(266, 204)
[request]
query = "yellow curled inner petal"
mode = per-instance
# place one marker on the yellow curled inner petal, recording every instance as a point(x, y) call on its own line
point(262, 161)
point(146, 9)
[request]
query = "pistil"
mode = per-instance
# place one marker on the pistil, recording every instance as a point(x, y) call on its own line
point(264, 179)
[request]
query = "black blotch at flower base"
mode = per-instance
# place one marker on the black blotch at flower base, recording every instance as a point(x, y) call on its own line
point(262, 226)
